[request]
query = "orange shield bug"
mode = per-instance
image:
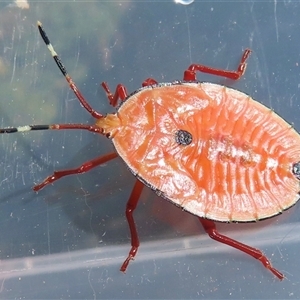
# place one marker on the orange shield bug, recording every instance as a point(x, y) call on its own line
point(209, 149)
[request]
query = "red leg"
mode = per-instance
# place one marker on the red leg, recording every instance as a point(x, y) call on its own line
point(119, 93)
point(190, 73)
point(210, 228)
point(83, 168)
point(130, 207)
point(149, 81)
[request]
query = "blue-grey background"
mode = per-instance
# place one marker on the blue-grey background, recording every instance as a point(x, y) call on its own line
point(69, 240)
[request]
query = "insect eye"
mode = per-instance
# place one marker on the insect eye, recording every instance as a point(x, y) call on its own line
point(296, 169)
point(183, 137)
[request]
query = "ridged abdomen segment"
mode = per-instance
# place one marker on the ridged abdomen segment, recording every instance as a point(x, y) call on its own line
point(238, 166)
point(250, 154)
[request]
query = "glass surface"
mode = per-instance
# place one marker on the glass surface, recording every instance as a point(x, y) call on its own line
point(70, 239)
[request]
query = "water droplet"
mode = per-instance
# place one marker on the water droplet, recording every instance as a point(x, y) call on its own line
point(184, 2)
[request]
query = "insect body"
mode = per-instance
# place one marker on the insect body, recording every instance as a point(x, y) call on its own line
point(209, 149)
point(236, 165)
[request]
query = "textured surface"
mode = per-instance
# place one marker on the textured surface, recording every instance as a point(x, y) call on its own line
point(238, 166)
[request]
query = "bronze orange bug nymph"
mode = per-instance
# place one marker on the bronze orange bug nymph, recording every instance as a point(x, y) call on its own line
point(209, 149)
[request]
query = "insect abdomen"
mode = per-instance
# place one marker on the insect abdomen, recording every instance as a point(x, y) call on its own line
point(242, 169)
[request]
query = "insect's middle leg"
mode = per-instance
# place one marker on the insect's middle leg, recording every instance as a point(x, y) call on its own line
point(82, 169)
point(210, 228)
point(130, 207)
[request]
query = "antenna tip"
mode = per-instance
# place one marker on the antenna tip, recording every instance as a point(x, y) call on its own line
point(39, 24)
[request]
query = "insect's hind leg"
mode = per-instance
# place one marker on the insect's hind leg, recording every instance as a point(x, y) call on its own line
point(210, 228)
point(130, 207)
point(190, 73)
point(87, 166)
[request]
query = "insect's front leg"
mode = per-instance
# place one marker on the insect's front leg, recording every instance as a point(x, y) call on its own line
point(120, 93)
point(87, 166)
